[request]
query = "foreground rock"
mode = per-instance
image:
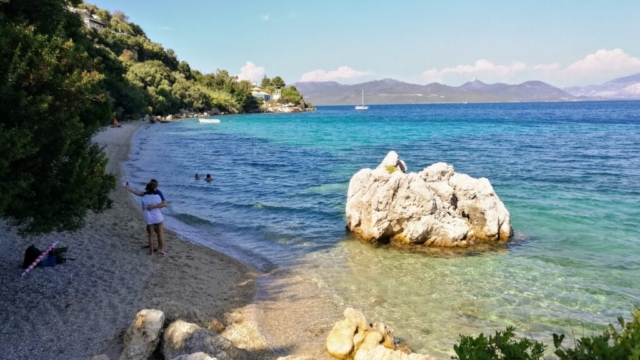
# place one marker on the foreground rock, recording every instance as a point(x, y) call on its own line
point(183, 338)
point(143, 335)
point(435, 207)
point(196, 356)
point(355, 338)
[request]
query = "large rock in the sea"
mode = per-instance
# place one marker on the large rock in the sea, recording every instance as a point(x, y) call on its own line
point(183, 338)
point(143, 335)
point(435, 207)
point(355, 338)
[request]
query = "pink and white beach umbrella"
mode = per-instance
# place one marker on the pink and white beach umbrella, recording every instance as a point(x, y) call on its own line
point(42, 256)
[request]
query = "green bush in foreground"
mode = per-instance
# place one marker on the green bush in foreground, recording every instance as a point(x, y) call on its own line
point(500, 346)
point(611, 345)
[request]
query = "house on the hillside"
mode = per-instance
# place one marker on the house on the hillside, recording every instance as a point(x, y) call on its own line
point(262, 95)
point(90, 21)
point(94, 21)
point(259, 94)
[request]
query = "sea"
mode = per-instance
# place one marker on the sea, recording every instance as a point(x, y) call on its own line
point(568, 172)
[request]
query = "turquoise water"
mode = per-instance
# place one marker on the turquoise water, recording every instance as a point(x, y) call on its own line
point(568, 173)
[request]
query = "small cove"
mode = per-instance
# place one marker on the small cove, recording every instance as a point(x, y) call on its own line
point(567, 172)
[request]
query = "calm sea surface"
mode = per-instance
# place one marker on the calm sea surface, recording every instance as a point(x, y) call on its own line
point(569, 173)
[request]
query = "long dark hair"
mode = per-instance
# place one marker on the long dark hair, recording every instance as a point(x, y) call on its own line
point(149, 189)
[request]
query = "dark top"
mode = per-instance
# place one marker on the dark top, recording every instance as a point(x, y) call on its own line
point(158, 192)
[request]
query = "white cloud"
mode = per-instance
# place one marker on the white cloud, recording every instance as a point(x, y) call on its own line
point(251, 72)
point(605, 61)
point(598, 67)
point(481, 69)
point(343, 72)
point(547, 67)
point(266, 17)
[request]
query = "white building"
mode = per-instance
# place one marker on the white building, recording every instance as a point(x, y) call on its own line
point(276, 94)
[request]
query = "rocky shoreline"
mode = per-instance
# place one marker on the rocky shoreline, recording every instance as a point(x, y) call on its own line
point(190, 114)
point(154, 333)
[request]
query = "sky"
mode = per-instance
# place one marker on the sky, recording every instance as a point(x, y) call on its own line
point(562, 42)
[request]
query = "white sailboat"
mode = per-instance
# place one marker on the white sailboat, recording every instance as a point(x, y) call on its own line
point(362, 106)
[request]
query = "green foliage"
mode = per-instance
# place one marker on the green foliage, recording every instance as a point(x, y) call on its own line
point(222, 99)
point(291, 95)
point(278, 82)
point(391, 169)
point(143, 77)
point(53, 100)
point(498, 347)
point(611, 345)
point(185, 69)
point(266, 82)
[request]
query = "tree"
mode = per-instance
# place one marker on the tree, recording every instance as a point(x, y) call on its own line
point(171, 59)
point(278, 82)
point(53, 100)
point(291, 95)
point(120, 16)
point(185, 69)
point(266, 82)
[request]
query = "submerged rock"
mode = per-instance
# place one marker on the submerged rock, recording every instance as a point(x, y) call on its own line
point(355, 338)
point(435, 207)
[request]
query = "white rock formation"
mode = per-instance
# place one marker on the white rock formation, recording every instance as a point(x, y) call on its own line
point(355, 338)
point(143, 335)
point(183, 338)
point(435, 207)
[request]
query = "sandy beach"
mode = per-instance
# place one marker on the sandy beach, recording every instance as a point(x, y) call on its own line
point(83, 307)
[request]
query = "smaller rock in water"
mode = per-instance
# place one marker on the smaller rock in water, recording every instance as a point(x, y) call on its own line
point(354, 338)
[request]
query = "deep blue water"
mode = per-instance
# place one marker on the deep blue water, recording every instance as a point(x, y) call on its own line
point(569, 173)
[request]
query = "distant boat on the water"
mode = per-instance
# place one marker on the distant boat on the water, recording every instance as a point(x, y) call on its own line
point(209, 121)
point(362, 106)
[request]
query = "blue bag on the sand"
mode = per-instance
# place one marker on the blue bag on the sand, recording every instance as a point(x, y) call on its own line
point(49, 261)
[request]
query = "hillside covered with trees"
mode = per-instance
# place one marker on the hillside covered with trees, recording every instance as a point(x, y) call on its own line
point(61, 81)
point(143, 77)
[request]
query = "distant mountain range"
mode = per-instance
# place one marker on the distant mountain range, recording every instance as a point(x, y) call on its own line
point(389, 91)
point(627, 87)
